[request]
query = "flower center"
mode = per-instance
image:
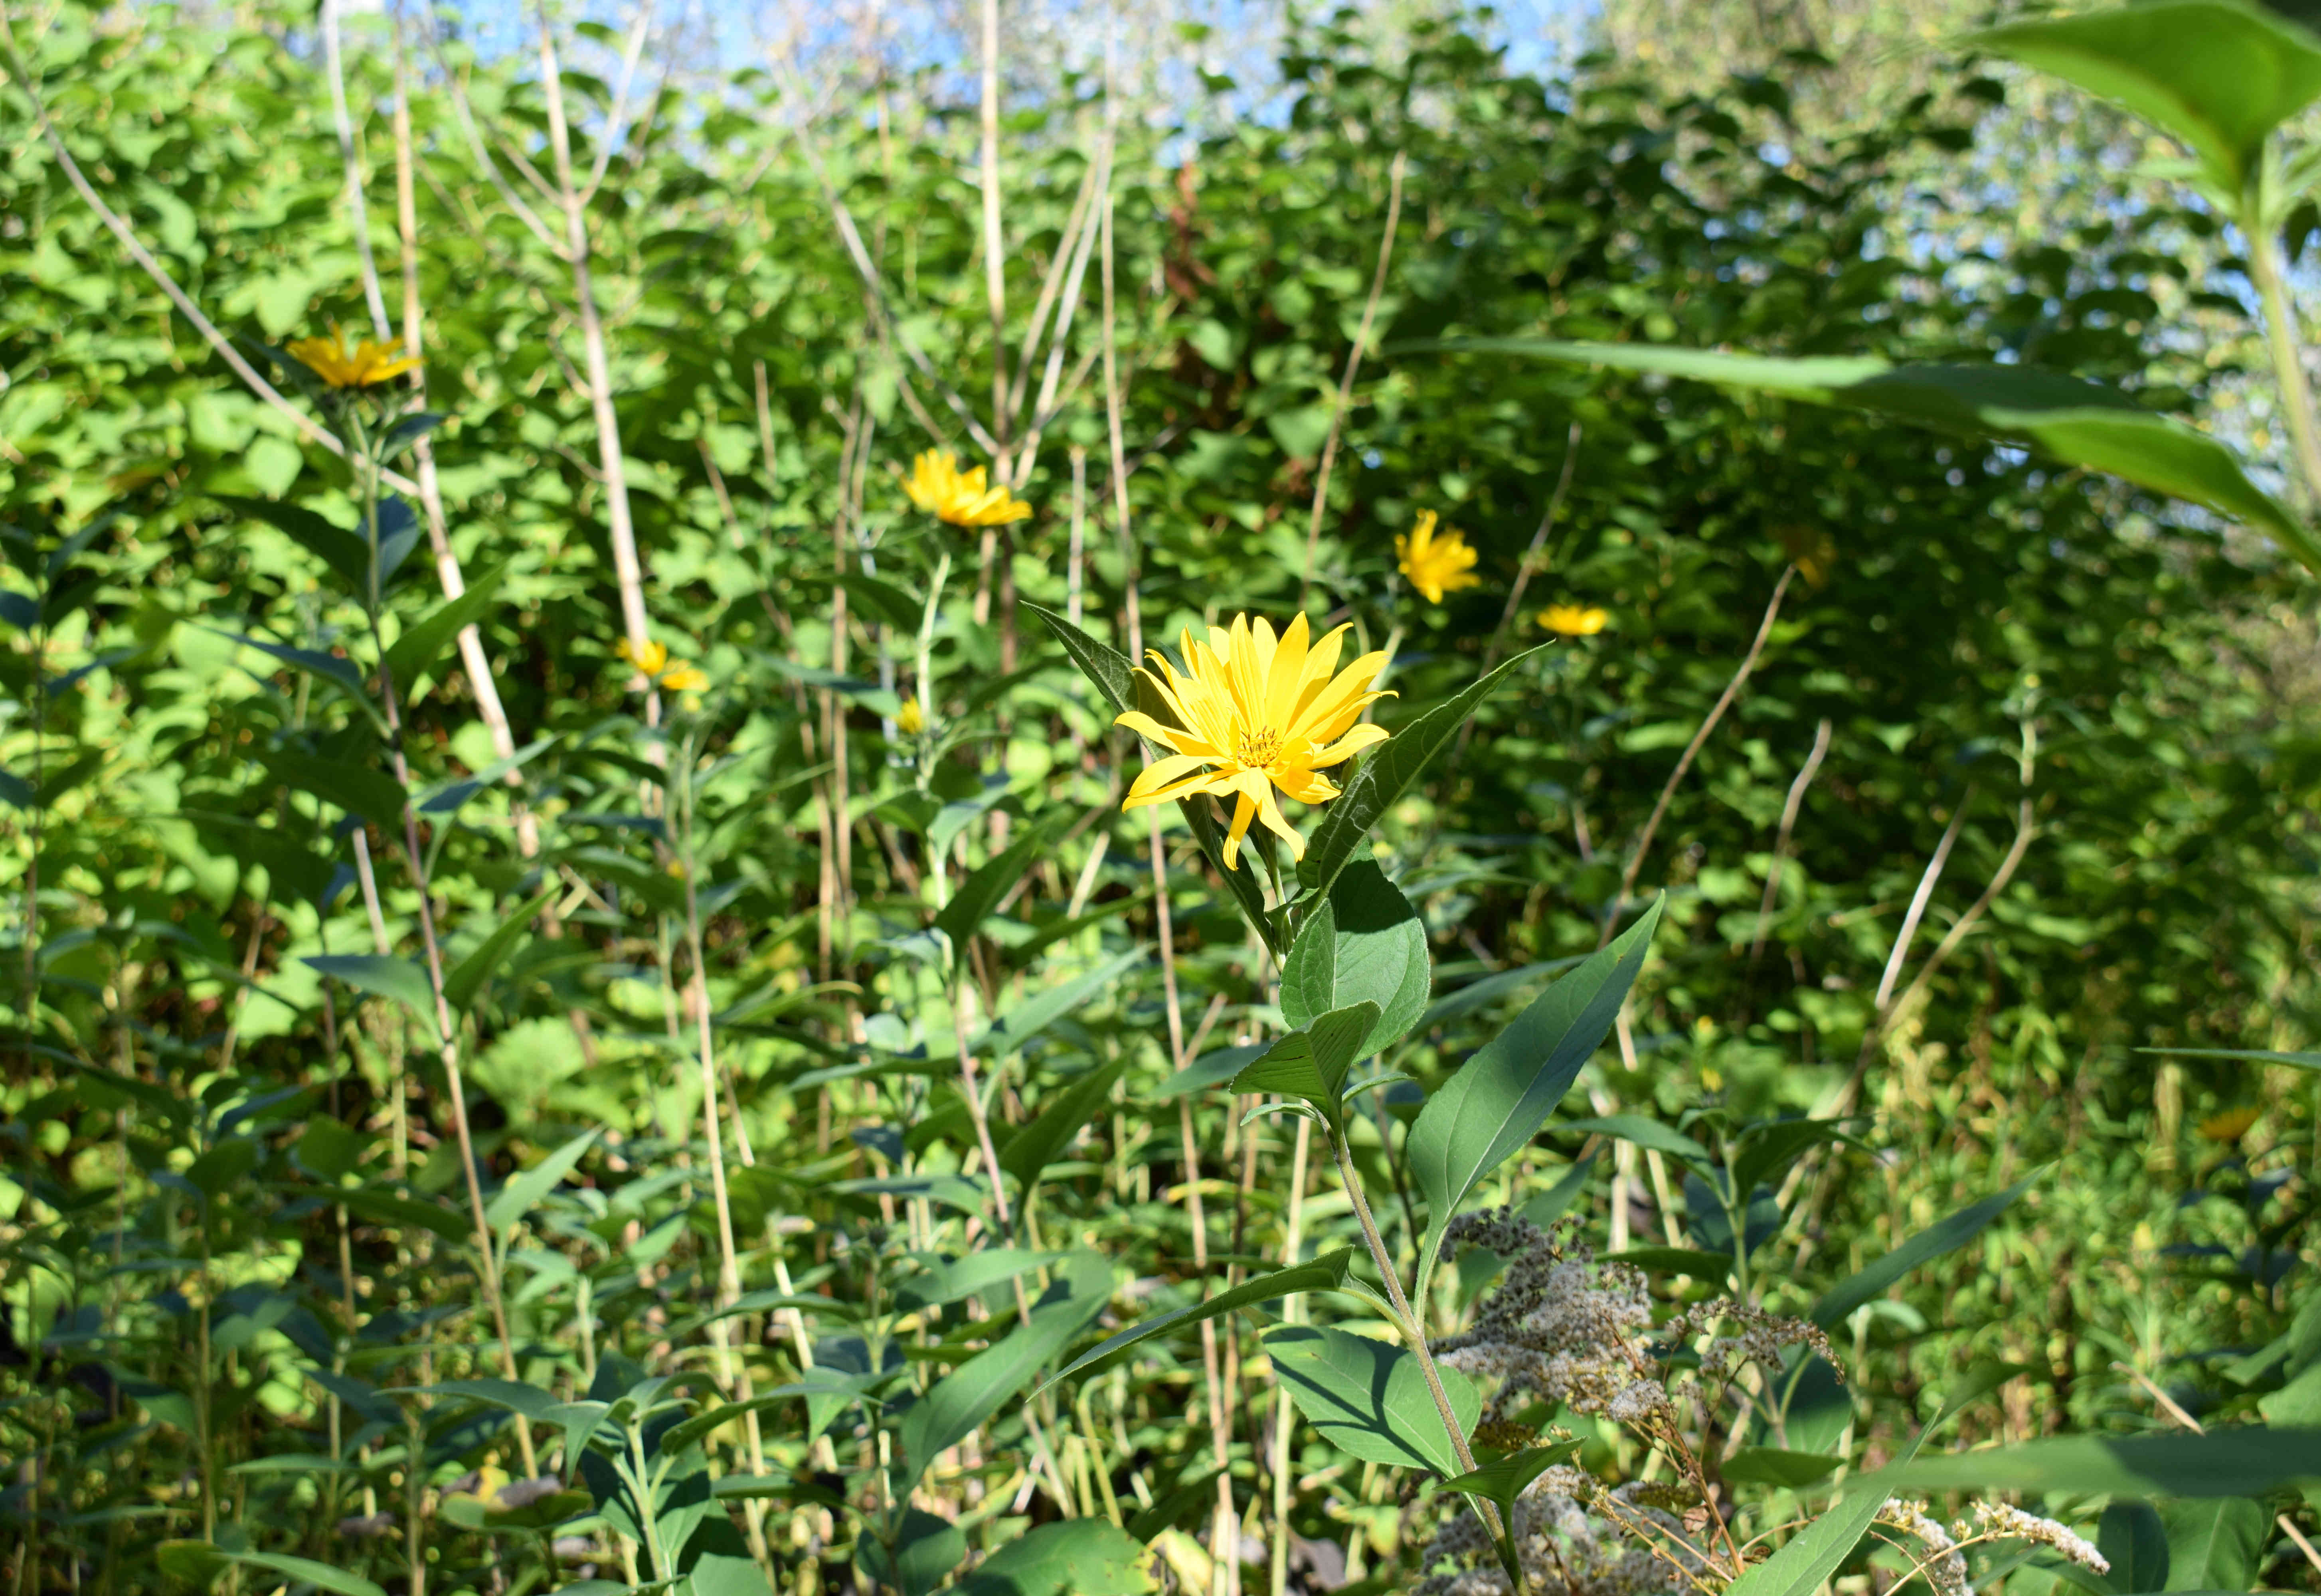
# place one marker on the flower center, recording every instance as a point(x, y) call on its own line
point(1256, 747)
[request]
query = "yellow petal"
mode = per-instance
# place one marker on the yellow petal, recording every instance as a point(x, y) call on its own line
point(1356, 739)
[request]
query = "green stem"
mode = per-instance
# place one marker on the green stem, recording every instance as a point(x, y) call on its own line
point(2280, 340)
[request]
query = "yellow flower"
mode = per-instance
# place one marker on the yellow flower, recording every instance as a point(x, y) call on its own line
point(1436, 566)
point(366, 364)
point(938, 486)
point(1255, 714)
point(482, 1487)
point(1573, 621)
point(2232, 1124)
point(910, 720)
point(651, 659)
point(685, 678)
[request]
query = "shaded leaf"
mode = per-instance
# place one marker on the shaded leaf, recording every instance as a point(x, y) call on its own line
point(1370, 1398)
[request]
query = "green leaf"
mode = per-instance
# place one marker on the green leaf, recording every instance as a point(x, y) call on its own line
point(984, 887)
point(415, 650)
point(2214, 1544)
point(1312, 1064)
point(1009, 1032)
point(1946, 1236)
point(2134, 1542)
point(1370, 1398)
point(344, 552)
point(383, 975)
point(1675, 1260)
point(2249, 1462)
point(1078, 1558)
point(948, 1279)
point(1365, 943)
point(1327, 1273)
point(1036, 1146)
point(384, 1208)
point(365, 794)
point(926, 1549)
point(1114, 674)
point(1807, 1560)
point(2080, 423)
point(1645, 1133)
point(2218, 78)
point(1770, 1465)
point(1504, 1479)
point(512, 1394)
point(321, 1575)
point(973, 1392)
point(1499, 1098)
point(521, 1195)
point(1210, 1069)
point(336, 672)
point(1384, 773)
point(467, 976)
point(2311, 1061)
point(700, 1426)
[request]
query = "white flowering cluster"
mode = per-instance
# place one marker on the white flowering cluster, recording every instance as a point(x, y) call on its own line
point(1559, 1327)
point(1995, 1520)
point(1572, 1538)
point(1944, 1564)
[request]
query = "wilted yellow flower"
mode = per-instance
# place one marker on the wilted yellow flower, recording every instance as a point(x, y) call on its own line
point(685, 678)
point(483, 1489)
point(651, 659)
point(1573, 621)
point(1255, 714)
point(1812, 550)
point(367, 363)
point(2232, 1124)
point(1436, 566)
point(937, 485)
point(910, 720)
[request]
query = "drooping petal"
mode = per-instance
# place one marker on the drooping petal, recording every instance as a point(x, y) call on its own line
point(1174, 777)
point(1167, 737)
point(1356, 739)
point(1270, 814)
point(1244, 811)
point(1306, 787)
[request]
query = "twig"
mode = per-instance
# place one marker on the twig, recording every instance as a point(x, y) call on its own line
point(1692, 749)
point(1795, 802)
point(1353, 367)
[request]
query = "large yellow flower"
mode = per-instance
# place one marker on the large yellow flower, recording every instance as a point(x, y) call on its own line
point(1256, 712)
point(368, 363)
point(939, 486)
point(1573, 621)
point(1436, 566)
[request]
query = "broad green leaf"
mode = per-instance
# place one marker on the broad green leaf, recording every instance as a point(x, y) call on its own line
point(1078, 1558)
point(365, 794)
point(383, 975)
point(1505, 1479)
point(1386, 772)
point(1645, 1133)
point(2215, 76)
point(1499, 1098)
point(344, 552)
point(948, 1279)
point(2214, 1543)
point(960, 1191)
point(521, 1195)
point(2080, 423)
point(1312, 1064)
point(321, 1575)
point(415, 650)
point(1770, 1465)
point(1059, 1122)
point(1805, 1562)
point(1766, 1150)
point(1475, 994)
point(1362, 943)
point(700, 1425)
point(2134, 1542)
point(1327, 1273)
point(1114, 674)
point(974, 1391)
point(1370, 1398)
point(925, 1550)
point(448, 797)
point(329, 669)
point(1945, 1236)
point(224, 1165)
point(2248, 1462)
point(512, 1394)
point(467, 977)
